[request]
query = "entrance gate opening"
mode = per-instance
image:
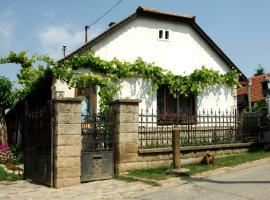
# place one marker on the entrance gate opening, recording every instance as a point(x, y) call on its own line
point(37, 151)
point(97, 156)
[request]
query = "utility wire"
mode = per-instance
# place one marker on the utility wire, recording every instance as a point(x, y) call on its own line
point(107, 12)
point(93, 23)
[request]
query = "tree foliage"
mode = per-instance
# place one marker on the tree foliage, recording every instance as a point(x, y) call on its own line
point(259, 70)
point(6, 95)
point(259, 106)
point(31, 72)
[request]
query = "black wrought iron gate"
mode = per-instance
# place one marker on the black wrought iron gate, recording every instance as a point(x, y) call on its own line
point(97, 160)
point(37, 140)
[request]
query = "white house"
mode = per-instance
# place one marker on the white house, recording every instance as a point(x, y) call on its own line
point(175, 42)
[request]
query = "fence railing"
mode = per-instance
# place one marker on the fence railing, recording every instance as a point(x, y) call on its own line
point(204, 128)
point(97, 132)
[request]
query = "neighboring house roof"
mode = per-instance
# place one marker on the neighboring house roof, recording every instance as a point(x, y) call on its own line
point(255, 88)
point(152, 13)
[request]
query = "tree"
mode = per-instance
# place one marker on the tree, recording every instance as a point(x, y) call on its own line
point(6, 100)
point(259, 70)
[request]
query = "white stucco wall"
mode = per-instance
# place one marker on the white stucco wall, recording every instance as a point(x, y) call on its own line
point(183, 53)
point(138, 88)
point(61, 89)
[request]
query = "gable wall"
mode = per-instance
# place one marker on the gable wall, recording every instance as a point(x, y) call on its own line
point(183, 53)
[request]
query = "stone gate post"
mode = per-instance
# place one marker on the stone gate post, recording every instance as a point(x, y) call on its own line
point(67, 142)
point(126, 133)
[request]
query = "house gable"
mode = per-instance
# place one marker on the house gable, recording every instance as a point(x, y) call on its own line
point(156, 17)
point(184, 52)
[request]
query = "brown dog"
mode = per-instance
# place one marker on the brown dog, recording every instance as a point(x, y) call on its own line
point(208, 159)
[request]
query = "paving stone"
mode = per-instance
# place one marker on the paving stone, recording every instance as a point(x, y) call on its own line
point(108, 189)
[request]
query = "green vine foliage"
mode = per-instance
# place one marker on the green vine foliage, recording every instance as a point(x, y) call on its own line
point(106, 73)
point(31, 72)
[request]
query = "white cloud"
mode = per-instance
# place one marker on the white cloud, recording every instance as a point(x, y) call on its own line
point(6, 29)
point(53, 37)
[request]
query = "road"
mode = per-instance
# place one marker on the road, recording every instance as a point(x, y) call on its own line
point(249, 183)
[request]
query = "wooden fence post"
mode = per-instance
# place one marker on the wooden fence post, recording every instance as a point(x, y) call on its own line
point(176, 148)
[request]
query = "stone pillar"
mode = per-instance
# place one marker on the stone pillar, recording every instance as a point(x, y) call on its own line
point(67, 142)
point(126, 113)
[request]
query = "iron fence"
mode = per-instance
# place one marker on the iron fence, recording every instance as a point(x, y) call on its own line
point(97, 132)
point(204, 128)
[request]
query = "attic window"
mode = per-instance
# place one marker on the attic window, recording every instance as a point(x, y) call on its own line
point(163, 34)
point(166, 35)
point(160, 34)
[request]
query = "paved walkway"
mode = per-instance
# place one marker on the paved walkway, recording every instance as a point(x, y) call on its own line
point(108, 189)
point(249, 181)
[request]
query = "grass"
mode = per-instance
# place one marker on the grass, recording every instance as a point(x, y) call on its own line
point(159, 173)
point(133, 179)
point(228, 161)
point(4, 176)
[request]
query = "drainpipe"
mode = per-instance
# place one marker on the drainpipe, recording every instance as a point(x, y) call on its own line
point(249, 95)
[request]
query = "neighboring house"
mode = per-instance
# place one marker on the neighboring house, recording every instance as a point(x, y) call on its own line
point(174, 42)
point(256, 92)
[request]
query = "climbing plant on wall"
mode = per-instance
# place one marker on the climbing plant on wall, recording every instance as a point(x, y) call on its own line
point(107, 73)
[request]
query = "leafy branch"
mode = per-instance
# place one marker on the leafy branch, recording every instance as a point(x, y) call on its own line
point(106, 73)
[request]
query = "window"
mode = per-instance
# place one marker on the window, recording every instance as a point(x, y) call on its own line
point(163, 34)
point(175, 110)
point(160, 34)
point(89, 105)
point(166, 35)
point(181, 105)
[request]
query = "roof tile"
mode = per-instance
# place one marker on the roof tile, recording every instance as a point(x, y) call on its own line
point(255, 89)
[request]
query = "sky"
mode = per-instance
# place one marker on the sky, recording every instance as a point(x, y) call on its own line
point(241, 28)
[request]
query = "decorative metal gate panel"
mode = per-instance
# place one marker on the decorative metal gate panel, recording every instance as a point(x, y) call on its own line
point(97, 160)
point(37, 138)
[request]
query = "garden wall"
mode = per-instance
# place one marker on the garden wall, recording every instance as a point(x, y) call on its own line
point(129, 155)
point(148, 158)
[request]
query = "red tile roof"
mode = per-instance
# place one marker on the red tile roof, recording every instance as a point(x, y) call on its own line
point(255, 89)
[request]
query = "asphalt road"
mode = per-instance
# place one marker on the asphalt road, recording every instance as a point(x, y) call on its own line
point(249, 183)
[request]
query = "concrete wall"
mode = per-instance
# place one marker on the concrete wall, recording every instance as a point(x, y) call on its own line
point(157, 157)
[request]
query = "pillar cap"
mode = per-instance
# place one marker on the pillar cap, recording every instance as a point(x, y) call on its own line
point(68, 99)
point(126, 101)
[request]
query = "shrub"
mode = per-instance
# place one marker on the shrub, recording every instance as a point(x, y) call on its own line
point(6, 155)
